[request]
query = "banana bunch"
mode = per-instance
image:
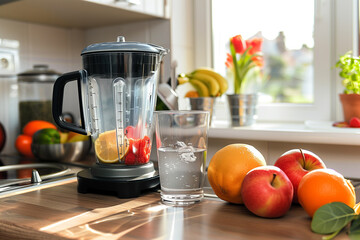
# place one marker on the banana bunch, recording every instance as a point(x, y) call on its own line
point(206, 81)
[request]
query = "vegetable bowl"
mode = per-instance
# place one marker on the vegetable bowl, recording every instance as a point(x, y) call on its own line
point(61, 152)
point(52, 145)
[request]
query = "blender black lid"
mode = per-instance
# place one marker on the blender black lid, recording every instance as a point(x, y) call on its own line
point(122, 46)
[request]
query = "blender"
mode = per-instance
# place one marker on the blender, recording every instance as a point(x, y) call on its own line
point(117, 96)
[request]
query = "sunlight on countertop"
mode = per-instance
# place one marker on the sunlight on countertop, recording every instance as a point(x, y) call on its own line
point(321, 132)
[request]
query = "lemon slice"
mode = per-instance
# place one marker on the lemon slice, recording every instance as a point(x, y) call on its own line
point(106, 147)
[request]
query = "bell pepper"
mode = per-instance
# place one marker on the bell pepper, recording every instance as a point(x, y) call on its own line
point(46, 136)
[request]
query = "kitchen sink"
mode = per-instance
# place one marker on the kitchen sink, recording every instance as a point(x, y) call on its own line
point(19, 175)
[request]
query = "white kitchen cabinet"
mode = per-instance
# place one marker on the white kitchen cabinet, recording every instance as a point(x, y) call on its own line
point(155, 7)
point(151, 7)
point(84, 14)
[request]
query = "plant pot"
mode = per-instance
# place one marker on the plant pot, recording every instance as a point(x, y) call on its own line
point(243, 109)
point(203, 103)
point(351, 106)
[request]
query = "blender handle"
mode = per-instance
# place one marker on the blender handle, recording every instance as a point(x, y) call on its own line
point(58, 96)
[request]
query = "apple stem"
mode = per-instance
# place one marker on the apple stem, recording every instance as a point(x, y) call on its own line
point(303, 156)
point(272, 181)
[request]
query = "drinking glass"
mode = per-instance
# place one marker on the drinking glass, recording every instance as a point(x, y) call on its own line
point(181, 140)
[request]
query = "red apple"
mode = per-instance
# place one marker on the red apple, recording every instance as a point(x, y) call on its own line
point(267, 192)
point(296, 163)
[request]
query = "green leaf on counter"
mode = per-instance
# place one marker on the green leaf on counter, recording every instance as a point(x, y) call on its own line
point(331, 218)
point(355, 229)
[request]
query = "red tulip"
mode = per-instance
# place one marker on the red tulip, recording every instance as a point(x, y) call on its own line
point(255, 43)
point(258, 60)
point(239, 43)
point(244, 56)
point(229, 61)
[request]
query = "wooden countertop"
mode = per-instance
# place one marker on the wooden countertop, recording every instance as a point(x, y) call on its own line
point(61, 213)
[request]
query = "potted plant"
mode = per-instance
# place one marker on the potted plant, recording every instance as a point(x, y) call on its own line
point(350, 73)
point(245, 63)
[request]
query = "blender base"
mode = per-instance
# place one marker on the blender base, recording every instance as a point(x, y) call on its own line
point(125, 187)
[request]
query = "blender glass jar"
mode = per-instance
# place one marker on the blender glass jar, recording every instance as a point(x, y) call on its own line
point(117, 96)
point(35, 94)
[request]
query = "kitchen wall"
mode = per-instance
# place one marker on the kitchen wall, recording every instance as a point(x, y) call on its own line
point(58, 47)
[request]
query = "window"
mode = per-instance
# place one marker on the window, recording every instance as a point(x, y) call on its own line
point(303, 84)
point(287, 43)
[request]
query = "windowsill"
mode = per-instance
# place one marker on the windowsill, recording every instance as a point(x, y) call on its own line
point(321, 132)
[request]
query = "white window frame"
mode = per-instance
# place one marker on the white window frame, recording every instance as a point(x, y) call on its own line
point(334, 34)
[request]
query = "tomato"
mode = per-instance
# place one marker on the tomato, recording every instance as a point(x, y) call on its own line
point(129, 132)
point(23, 145)
point(145, 148)
point(139, 151)
point(36, 125)
point(355, 122)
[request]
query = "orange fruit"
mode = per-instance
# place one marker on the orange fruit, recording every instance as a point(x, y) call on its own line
point(228, 168)
point(33, 126)
point(106, 148)
point(192, 94)
point(322, 186)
